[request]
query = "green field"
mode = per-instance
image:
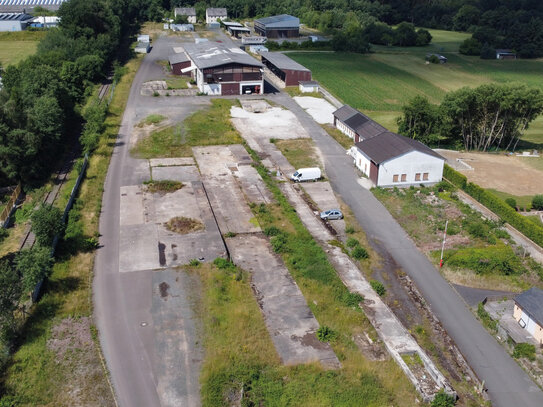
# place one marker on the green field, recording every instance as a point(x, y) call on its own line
point(16, 46)
point(381, 82)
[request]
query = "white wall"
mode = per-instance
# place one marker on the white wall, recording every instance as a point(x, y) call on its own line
point(344, 129)
point(309, 89)
point(214, 19)
point(12, 25)
point(361, 161)
point(410, 164)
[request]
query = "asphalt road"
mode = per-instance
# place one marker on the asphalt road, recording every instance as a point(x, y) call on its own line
point(508, 385)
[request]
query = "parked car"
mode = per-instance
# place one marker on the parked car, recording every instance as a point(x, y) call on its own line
point(332, 214)
point(306, 174)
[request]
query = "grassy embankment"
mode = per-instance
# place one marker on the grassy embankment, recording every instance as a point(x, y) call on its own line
point(16, 46)
point(40, 372)
point(301, 153)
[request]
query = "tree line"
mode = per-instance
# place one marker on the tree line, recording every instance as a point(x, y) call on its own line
point(488, 117)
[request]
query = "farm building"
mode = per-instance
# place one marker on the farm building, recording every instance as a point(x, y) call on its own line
point(214, 15)
point(281, 26)
point(355, 124)
point(257, 49)
point(14, 21)
point(181, 27)
point(45, 22)
point(505, 54)
point(389, 160)
point(142, 47)
point(237, 32)
point(178, 63)
point(528, 311)
point(27, 6)
point(286, 69)
point(189, 12)
point(253, 40)
point(220, 70)
point(309, 86)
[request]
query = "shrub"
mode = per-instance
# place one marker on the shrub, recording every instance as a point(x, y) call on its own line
point(378, 287)
point(279, 243)
point(359, 253)
point(485, 318)
point(230, 234)
point(272, 231)
point(537, 202)
point(34, 265)
point(499, 259)
point(524, 350)
point(352, 242)
point(512, 203)
point(3, 234)
point(349, 230)
point(194, 262)
point(433, 59)
point(443, 399)
point(351, 299)
point(223, 264)
point(46, 224)
point(325, 334)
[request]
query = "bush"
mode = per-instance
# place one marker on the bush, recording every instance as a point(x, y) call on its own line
point(33, 265)
point(485, 318)
point(378, 287)
point(3, 234)
point(46, 224)
point(470, 46)
point(537, 202)
point(230, 234)
point(279, 243)
point(194, 262)
point(352, 242)
point(524, 350)
point(512, 203)
point(272, 231)
point(499, 259)
point(349, 230)
point(443, 399)
point(325, 334)
point(359, 253)
point(223, 264)
point(433, 59)
point(351, 299)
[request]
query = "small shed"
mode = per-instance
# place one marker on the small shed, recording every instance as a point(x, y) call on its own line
point(142, 47)
point(441, 58)
point(189, 12)
point(309, 86)
point(214, 26)
point(257, 49)
point(144, 38)
point(528, 311)
point(178, 63)
point(14, 21)
point(505, 54)
point(286, 69)
point(214, 15)
point(237, 32)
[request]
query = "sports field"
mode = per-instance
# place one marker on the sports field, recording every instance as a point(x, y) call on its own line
point(381, 82)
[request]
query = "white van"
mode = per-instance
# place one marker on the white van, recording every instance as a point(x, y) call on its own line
point(306, 174)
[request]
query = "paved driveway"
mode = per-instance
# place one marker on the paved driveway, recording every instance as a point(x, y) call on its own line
point(508, 385)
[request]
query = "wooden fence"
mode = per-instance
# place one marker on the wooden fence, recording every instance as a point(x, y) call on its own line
point(4, 216)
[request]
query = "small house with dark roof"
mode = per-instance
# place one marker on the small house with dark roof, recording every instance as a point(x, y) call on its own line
point(389, 160)
point(281, 26)
point(528, 312)
point(215, 15)
point(179, 64)
point(189, 12)
point(285, 68)
point(505, 54)
point(356, 124)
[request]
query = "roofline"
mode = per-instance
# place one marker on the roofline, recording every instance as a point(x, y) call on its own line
point(540, 323)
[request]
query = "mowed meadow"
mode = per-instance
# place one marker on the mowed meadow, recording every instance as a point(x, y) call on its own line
point(381, 82)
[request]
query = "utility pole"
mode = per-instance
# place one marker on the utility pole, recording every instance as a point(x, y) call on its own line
point(443, 245)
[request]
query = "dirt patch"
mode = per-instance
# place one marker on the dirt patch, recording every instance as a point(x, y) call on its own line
point(163, 288)
point(183, 225)
point(504, 173)
point(163, 187)
point(70, 335)
point(370, 349)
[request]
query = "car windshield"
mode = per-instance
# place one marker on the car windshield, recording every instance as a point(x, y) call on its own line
point(327, 212)
point(295, 174)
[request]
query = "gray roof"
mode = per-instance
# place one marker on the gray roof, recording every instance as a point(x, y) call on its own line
point(531, 302)
point(185, 11)
point(237, 28)
point(308, 83)
point(281, 61)
point(15, 17)
point(358, 122)
point(20, 5)
point(211, 54)
point(232, 24)
point(386, 146)
point(282, 20)
point(178, 58)
point(505, 51)
point(216, 12)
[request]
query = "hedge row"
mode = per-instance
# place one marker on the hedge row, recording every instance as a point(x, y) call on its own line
point(496, 205)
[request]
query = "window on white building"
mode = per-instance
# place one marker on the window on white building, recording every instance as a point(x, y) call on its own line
point(404, 177)
point(395, 178)
point(425, 176)
point(417, 176)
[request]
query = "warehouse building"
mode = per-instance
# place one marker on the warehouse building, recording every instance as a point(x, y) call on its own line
point(214, 15)
point(355, 124)
point(281, 26)
point(220, 70)
point(286, 69)
point(189, 12)
point(28, 6)
point(179, 63)
point(14, 21)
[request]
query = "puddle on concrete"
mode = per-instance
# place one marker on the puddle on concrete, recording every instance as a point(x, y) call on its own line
point(162, 254)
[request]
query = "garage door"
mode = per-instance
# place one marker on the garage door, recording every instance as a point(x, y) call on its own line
point(230, 88)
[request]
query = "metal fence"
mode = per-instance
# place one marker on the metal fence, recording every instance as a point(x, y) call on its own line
point(10, 206)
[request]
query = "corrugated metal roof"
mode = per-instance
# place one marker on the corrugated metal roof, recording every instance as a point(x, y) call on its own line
point(388, 145)
point(185, 11)
point(359, 122)
point(278, 21)
point(15, 17)
point(216, 12)
point(281, 61)
point(210, 54)
point(531, 302)
point(178, 58)
point(232, 24)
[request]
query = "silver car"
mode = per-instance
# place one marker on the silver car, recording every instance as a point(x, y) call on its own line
point(332, 214)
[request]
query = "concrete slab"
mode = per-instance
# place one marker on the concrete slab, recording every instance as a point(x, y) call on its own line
point(186, 173)
point(322, 194)
point(178, 203)
point(131, 212)
point(167, 162)
point(138, 248)
point(289, 320)
point(318, 108)
point(502, 311)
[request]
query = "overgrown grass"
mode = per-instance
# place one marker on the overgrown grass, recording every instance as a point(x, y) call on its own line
point(300, 153)
point(163, 186)
point(18, 45)
point(345, 141)
point(524, 201)
point(152, 119)
point(206, 127)
point(36, 375)
point(295, 91)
